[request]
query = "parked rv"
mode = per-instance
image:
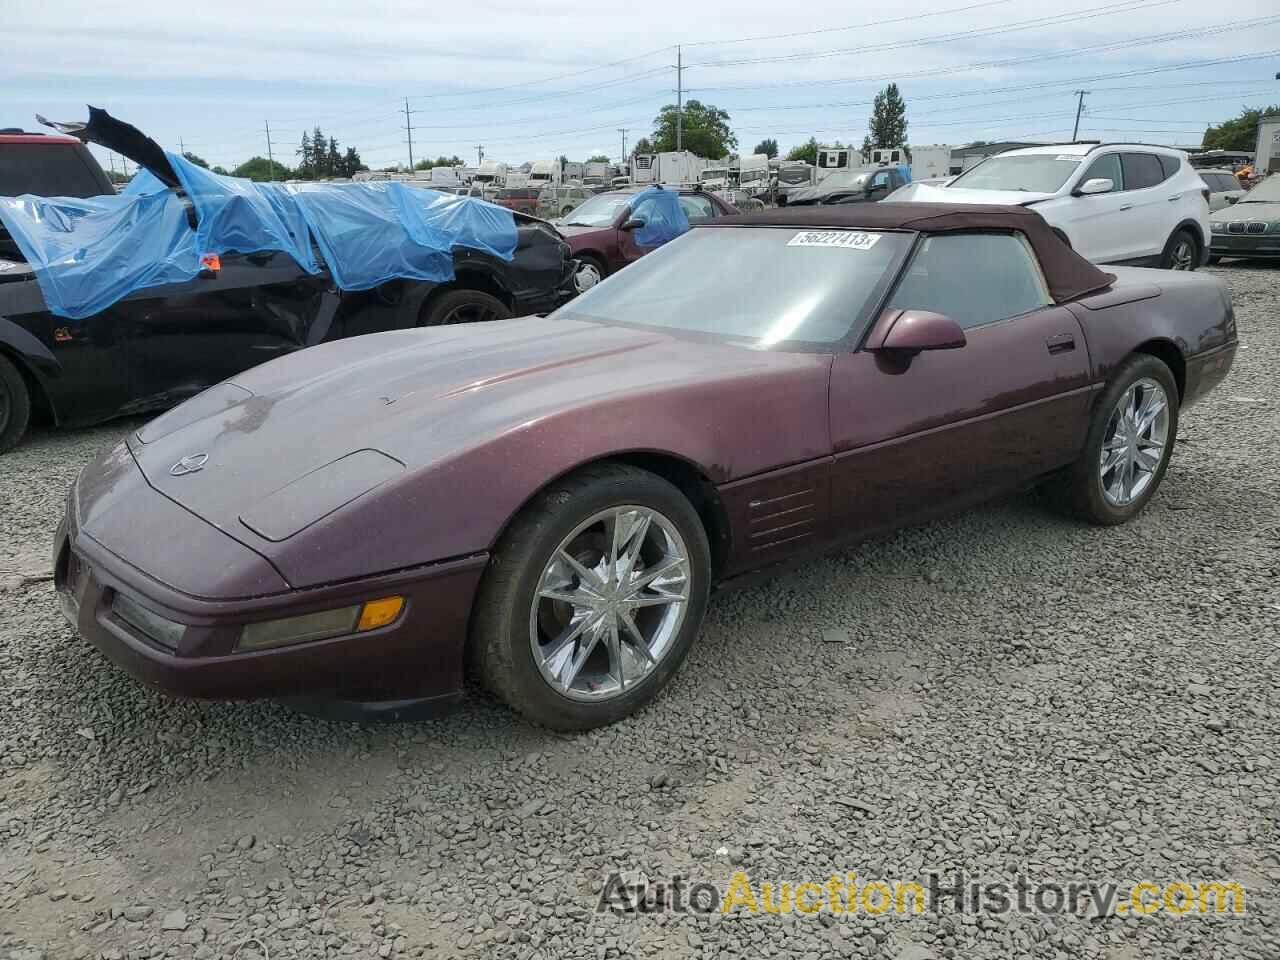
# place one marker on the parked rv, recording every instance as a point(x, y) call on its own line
point(793, 175)
point(831, 159)
point(543, 173)
point(491, 174)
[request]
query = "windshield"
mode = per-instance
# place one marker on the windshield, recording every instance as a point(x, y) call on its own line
point(794, 175)
point(1268, 191)
point(787, 284)
point(599, 211)
point(1036, 173)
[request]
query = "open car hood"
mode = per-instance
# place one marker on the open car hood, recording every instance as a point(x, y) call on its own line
point(125, 139)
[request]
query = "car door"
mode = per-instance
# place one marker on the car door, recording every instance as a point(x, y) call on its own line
point(916, 436)
point(1095, 223)
point(1150, 208)
point(184, 338)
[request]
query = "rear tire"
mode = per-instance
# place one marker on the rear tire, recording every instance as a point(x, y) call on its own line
point(1088, 489)
point(532, 602)
point(15, 405)
point(463, 306)
point(1182, 252)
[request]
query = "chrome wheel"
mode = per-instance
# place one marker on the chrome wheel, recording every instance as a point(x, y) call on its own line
point(610, 603)
point(1133, 445)
point(588, 276)
point(1183, 256)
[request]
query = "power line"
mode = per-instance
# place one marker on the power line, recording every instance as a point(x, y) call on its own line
point(560, 76)
point(856, 26)
point(1109, 9)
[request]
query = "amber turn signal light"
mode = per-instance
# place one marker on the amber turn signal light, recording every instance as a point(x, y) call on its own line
point(379, 613)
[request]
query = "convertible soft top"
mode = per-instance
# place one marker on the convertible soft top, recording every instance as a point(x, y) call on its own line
point(1068, 274)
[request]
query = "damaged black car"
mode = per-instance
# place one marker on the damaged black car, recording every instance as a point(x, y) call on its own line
point(158, 344)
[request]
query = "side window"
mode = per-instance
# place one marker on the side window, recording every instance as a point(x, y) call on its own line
point(1141, 170)
point(696, 207)
point(1168, 165)
point(1108, 168)
point(974, 278)
point(881, 179)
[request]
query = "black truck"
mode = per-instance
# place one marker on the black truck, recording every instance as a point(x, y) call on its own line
point(161, 345)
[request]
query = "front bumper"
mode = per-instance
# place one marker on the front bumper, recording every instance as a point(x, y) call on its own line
point(420, 655)
point(1263, 245)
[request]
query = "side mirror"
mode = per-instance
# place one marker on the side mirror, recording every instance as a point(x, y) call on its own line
point(1096, 185)
point(633, 224)
point(907, 332)
point(1233, 199)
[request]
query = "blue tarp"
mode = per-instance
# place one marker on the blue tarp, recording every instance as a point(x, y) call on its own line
point(664, 218)
point(88, 254)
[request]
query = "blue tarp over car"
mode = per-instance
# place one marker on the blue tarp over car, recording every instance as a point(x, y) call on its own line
point(664, 218)
point(88, 254)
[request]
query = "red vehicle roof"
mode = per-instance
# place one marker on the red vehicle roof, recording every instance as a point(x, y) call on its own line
point(37, 138)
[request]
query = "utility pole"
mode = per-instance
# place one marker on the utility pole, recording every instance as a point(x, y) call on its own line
point(479, 154)
point(623, 131)
point(182, 147)
point(679, 99)
point(1079, 110)
point(408, 129)
point(271, 163)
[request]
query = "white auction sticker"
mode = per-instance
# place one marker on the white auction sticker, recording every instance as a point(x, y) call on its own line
point(847, 239)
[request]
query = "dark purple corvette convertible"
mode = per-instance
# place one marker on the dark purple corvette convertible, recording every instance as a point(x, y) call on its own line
point(547, 502)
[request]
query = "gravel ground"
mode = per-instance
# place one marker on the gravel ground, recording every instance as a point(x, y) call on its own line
point(1004, 694)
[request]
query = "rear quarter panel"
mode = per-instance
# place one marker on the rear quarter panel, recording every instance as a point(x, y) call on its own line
point(1190, 311)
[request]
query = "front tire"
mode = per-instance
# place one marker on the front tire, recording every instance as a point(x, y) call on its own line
point(1182, 252)
point(590, 272)
point(592, 598)
point(15, 405)
point(1128, 447)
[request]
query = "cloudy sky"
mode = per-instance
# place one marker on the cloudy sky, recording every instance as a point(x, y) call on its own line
point(542, 78)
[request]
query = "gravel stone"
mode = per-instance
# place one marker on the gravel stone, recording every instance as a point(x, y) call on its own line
point(1011, 694)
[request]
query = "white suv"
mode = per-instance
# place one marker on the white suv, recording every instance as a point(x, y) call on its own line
point(1112, 202)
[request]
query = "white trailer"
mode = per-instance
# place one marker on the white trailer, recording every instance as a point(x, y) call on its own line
point(932, 160)
point(1267, 158)
point(753, 175)
point(833, 159)
point(672, 167)
point(596, 173)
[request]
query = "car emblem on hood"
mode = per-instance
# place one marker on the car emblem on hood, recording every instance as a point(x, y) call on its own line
point(193, 463)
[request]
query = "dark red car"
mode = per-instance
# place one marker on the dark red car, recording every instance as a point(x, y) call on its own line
point(549, 500)
point(601, 230)
point(519, 199)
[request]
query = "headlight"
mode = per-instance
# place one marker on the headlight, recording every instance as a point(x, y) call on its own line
point(321, 626)
point(1217, 227)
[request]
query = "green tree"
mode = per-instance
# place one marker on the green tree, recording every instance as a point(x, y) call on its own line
point(808, 151)
point(259, 168)
point(333, 160)
point(351, 162)
point(866, 149)
point(598, 158)
point(198, 161)
point(642, 146)
point(705, 130)
point(221, 170)
point(306, 162)
point(1240, 133)
point(888, 124)
point(768, 147)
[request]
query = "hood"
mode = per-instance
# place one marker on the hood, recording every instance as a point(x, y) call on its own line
point(570, 232)
point(286, 443)
point(1265, 210)
point(927, 193)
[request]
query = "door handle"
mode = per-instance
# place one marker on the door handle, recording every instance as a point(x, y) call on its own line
point(1172, 199)
point(1061, 343)
point(1127, 206)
